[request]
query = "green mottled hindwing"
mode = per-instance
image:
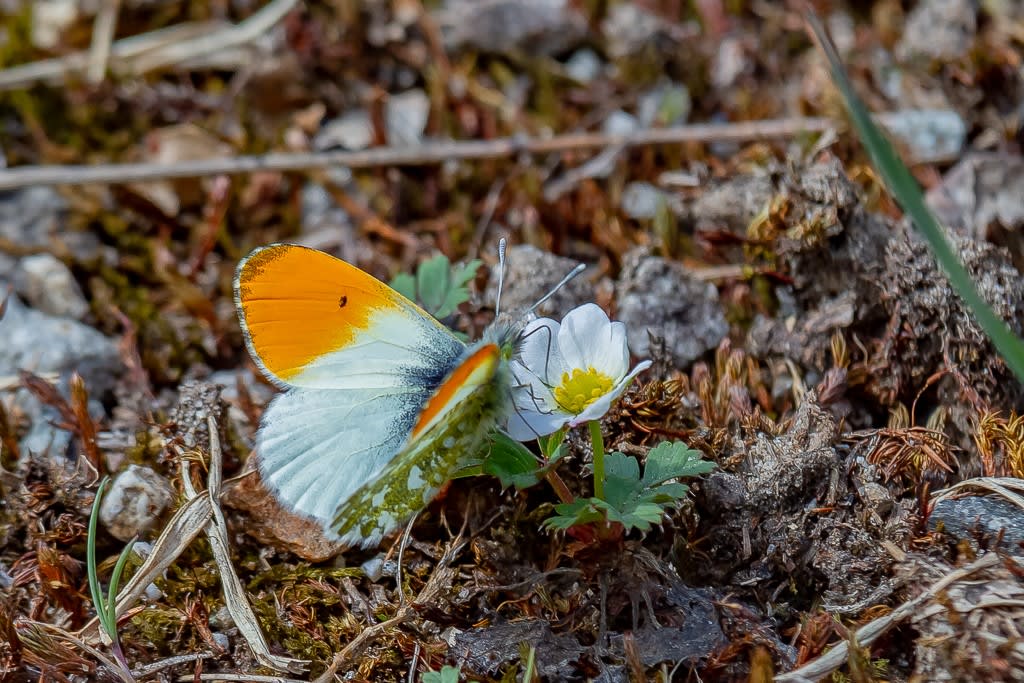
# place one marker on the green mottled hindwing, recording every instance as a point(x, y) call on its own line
point(425, 464)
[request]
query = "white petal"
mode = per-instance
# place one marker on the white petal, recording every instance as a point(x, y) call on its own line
point(608, 351)
point(598, 408)
point(528, 425)
point(580, 327)
point(539, 351)
point(529, 393)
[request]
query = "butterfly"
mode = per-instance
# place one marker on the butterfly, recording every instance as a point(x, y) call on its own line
point(382, 403)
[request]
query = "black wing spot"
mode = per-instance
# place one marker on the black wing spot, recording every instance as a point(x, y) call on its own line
point(343, 301)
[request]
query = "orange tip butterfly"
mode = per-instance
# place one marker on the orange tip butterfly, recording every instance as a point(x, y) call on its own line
point(383, 404)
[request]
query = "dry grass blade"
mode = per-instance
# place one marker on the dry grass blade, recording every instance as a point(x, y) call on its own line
point(1003, 486)
point(147, 52)
point(234, 594)
point(187, 523)
point(867, 634)
point(43, 634)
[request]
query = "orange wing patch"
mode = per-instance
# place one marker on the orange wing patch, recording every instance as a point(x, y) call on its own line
point(479, 367)
point(298, 304)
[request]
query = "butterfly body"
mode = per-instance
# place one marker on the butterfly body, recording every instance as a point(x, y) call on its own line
point(382, 403)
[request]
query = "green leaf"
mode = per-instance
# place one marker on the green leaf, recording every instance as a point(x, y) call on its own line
point(512, 463)
point(458, 289)
point(404, 284)
point(906, 191)
point(631, 500)
point(580, 511)
point(672, 459)
point(447, 674)
point(438, 286)
point(433, 279)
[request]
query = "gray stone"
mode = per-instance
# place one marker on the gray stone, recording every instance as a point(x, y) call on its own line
point(657, 296)
point(352, 130)
point(406, 118)
point(641, 200)
point(939, 29)
point(530, 274)
point(930, 135)
point(48, 286)
point(136, 500)
point(584, 65)
point(629, 28)
point(543, 27)
point(41, 343)
point(974, 516)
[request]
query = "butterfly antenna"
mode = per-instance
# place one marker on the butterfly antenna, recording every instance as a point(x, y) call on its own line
point(554, 290)
point(502, 244)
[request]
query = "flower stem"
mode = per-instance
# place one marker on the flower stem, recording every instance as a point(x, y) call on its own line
point(564, 494)
point(597, 443)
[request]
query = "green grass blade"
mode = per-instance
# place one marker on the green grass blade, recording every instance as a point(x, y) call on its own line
point(907, 192)
point(90, 558)
point(115, 580)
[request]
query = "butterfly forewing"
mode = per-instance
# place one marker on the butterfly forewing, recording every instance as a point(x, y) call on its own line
point(360, 360)
point(311, 320)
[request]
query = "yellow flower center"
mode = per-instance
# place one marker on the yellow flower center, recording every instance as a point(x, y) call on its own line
point(581, 388)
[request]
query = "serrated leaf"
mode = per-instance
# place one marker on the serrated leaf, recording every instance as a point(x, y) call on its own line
point(404, 284)
point(447, 674)
point(512, 463)
point(580, 511)
point(433, 280)
point(458, 290)
point(672, 459)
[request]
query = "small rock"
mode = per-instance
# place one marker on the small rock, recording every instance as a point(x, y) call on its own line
point(543, 27)
point(352, 130)
point(729, 63)
point(41, 343)
point(135, 502)
point(530, 274)
point(221, 619)
point(222, 641)
point(629, 28)
point(406, 118)
point(939, 29)
point(641, 200)
point(930, 135)
point(657, 296)
point(981, 195)
point(31, 216)
point(969, 517)
point(620, 123)
point(48, 285)
point(584, 65)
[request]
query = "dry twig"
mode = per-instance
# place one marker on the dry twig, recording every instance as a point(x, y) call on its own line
point(833, 659)
point(429, 153)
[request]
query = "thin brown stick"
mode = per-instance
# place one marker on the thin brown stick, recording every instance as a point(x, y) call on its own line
point(429, 153)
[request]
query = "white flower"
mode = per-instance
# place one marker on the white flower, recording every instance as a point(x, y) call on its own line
point(568, 373)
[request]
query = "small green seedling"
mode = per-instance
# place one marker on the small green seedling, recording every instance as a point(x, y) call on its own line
point(106, 605)
point(438, 286)
point(634, 501)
